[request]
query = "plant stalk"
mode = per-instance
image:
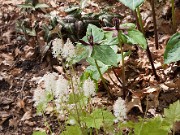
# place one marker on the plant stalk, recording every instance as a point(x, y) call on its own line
point(76, 107)
point(123, 66)
point(147, 50)
point(103, 80)
point(173, 16)
point(155, 24)
point(140, 20)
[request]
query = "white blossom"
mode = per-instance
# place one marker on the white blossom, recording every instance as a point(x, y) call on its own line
point(39, 96)
point(120, 110)
point(57, 47)
point(76, 83)
point(62, 88)
point(58, 104)
point(72, 122)
point(89, 88)
point(50, 81)
point(68, 51)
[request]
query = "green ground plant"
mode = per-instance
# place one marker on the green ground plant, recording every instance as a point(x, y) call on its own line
point(31, 5)
point(172, 50)
point(74, 100)
point(71, 96)
point(135, 6)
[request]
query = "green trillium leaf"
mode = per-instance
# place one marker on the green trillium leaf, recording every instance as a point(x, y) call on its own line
point(136, 37)
point(97, 33)
point(132, 4)
point(105, 54)
point(172, 51)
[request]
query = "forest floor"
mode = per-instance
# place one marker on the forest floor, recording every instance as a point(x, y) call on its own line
point(21, 65)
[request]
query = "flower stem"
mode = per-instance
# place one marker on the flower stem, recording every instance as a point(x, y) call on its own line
point(147, 50)
point(140, 20)
point(173, 16)
point(155, 25)
point(123, 66)
point(76, 106)
point(103, 80)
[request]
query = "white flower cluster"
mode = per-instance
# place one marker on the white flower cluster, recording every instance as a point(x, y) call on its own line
point(120, 110)
point(39, 97)
point(89, 88)
point(54, 85)
point(49, 81)
point(66, 50)
point(57, 88)
point(57, 46)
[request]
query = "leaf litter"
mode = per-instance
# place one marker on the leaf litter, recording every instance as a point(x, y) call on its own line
point(19, 61)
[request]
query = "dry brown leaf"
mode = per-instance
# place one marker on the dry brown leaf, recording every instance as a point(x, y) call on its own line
point(171, 84)
point(17, 52)
point(53, 3)
point(153, 94)
point(28, 52)
point(13, 2)
point(20, 103)
point(7, 35)
point(58, 68)
point(176, 127)
point(135, 102)
point(27, 115)
point(13, 122)
point(30, 123)
point(8, 59)
point(4, 116)
point(152, 89)
point(164, 87)
point(5, 101)
point(16, 71)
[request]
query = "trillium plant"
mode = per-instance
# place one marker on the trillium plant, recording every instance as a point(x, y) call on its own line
point(100, 48)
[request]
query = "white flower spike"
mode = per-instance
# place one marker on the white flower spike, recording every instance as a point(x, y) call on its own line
point(120, 110)
point(89, 88)
point(68, 51)
point(57, 47)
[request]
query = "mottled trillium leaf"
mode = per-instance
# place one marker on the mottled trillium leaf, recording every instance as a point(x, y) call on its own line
point(172, 51)
point(82, 52)
point(136, 37)
point(94, 72)
point(105, 54)
point(92, 69)
point(132, 4)
point(109, 39)
point(128, 26)
point(97, 33)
